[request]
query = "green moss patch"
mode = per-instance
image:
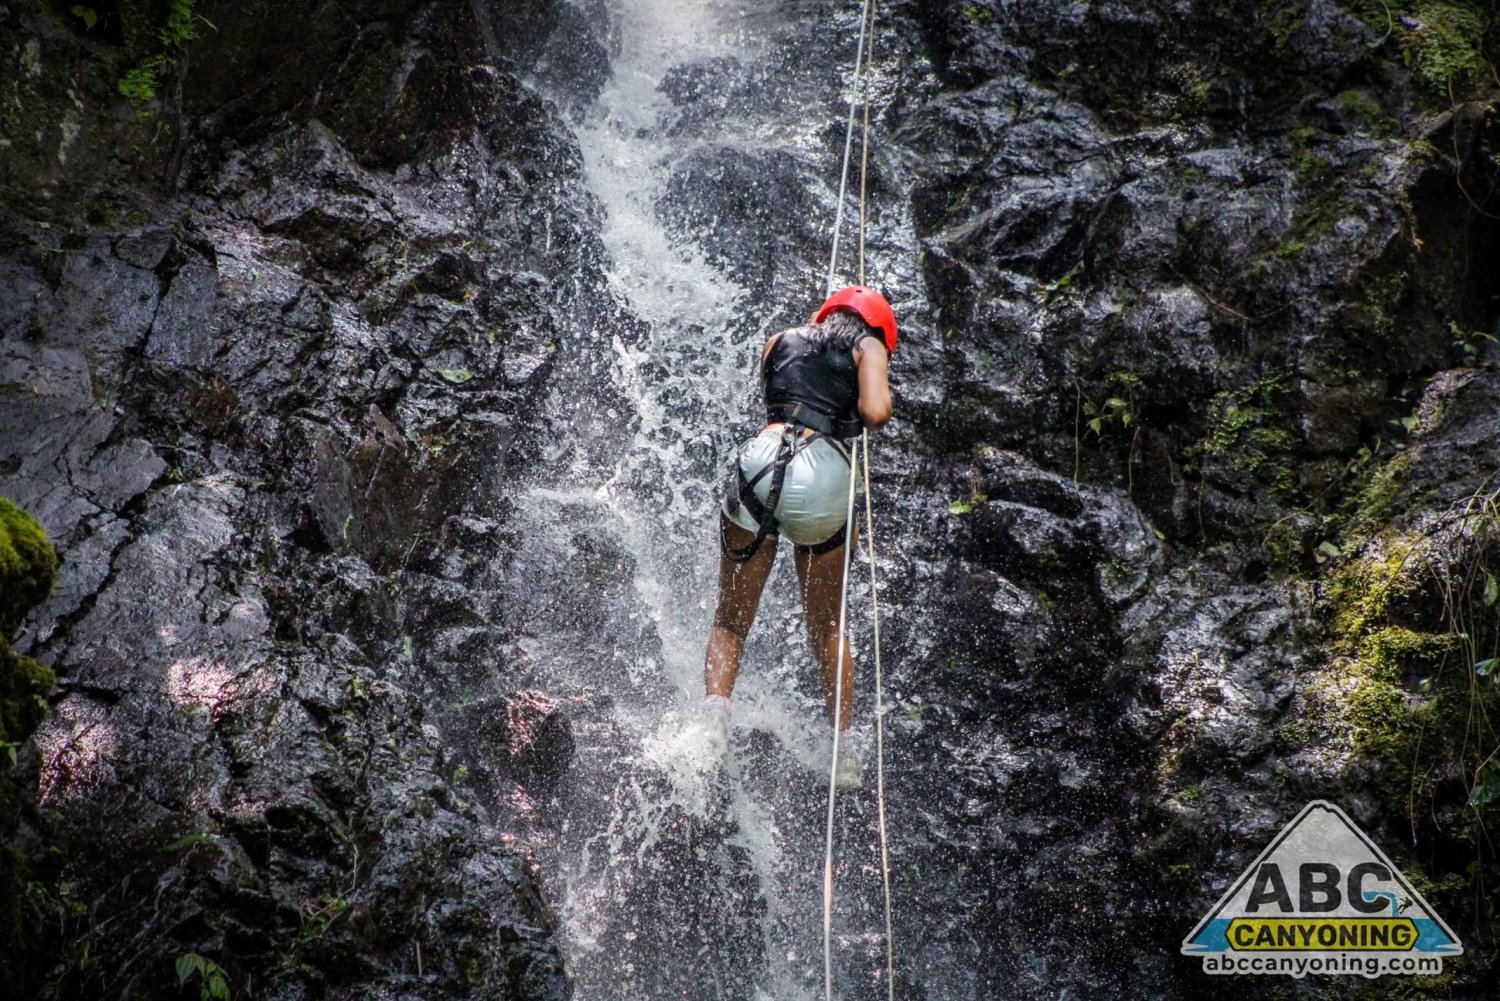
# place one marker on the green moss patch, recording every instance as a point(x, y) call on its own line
point(28, 564)
point(1410, 691)
point(1444, 44)
point(1443, 41)
point(1249, 440)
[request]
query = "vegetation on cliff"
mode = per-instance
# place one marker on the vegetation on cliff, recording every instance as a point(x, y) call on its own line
point(28, 566)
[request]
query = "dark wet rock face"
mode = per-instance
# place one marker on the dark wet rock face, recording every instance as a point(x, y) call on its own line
point(1187, 516)
point(1195, 357)
point(1206, 262)
point(258, 421)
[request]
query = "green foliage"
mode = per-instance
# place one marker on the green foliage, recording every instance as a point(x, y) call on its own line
point(1470, 343)
point(1109, 406)
point(87, 15)
point(1181, 877)
point(1282, 20)
point(1113, 409)
point(1407, 424)
point(976, 14)
point(28, 564)
point(1194, 81)
point(1360, 107)
point(1323, 191)
point(1486, 791)
point(141, 83)
point(193, 840)
point(1444, 46)
point(1358, 104)
point(1443, 41)
point(1057, 289)
point(213, 982)
point(1246, 430)
point(180, 27)
point(1118, 405)
point(318, 920)
point(967, 505)
point(1370, 507)
point(138, 85)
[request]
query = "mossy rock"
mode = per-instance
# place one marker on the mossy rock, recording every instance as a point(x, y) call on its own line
point(1447, 44)
point(24, 684)
point(1414, 621)
point(28, 565)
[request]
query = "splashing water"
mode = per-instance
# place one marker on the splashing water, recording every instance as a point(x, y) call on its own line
point(676, 875)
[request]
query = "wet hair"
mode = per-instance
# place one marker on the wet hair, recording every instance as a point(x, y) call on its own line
point(842, 329)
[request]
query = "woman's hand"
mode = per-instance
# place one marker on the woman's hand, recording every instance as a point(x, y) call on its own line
point(871, 359)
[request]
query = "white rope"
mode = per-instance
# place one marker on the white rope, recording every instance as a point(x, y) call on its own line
point(838, 215)
point(838, 686)
point(862, 61)
point(864, 140)
point(833, 768)
point(885, 851)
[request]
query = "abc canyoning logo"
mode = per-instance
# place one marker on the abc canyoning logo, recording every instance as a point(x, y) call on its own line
point(1322, 898)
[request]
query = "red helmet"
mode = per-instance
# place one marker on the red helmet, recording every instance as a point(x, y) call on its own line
point(870, 306)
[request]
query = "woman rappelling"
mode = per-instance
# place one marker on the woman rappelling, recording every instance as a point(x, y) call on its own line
point(822, 383)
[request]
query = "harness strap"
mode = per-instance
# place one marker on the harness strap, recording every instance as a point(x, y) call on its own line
point(798, 412)
point(831, 543)
point(764, 513)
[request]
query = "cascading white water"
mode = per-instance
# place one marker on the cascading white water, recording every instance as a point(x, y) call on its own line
point(651, 835)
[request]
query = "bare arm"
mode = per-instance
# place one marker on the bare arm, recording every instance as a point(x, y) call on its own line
point(871, 360)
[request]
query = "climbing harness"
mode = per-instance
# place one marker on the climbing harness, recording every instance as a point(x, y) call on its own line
point(811, 388)
point(816, 420)
point(863, 57)
point(796, 436)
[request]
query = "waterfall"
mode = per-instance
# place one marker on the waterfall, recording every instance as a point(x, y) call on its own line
point(672, 876)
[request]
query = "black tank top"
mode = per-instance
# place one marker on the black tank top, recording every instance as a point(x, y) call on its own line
point(817, 372)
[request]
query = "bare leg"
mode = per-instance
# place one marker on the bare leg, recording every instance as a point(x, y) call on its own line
point(740, 585)
point(822, 580)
